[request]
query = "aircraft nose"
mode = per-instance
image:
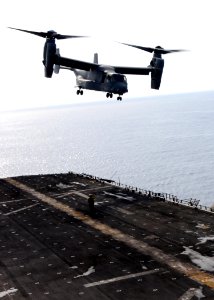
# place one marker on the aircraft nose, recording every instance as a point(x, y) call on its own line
point(120, 88)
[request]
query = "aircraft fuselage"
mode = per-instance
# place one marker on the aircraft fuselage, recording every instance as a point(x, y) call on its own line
point(105, 81)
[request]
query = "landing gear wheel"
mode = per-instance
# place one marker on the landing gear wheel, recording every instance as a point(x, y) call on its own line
point(109, 95)
point(119, 98)
point(80, 92)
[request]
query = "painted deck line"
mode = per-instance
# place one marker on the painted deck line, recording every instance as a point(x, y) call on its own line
point(172, 262)
point(80, 191)
point(120, 278)
point(97, 188)
point(18, 210)
point(189, 294)
point(122, 210)
point(81, 195)
point(12, 201)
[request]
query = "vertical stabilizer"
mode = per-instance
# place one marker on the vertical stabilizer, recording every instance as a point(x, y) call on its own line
point(96, 58)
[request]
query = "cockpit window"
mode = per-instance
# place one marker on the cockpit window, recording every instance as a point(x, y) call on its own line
point(118, 77)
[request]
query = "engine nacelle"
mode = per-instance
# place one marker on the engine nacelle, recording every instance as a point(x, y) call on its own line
point(49, 57)
point(158, 64)
point(57, 67)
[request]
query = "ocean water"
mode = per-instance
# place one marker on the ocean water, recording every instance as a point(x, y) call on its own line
point(163, 144)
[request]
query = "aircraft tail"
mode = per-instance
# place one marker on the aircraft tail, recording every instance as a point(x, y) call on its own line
point(95, 58)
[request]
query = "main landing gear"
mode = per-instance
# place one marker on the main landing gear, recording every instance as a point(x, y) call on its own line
point(80, 92)
point(110, 95)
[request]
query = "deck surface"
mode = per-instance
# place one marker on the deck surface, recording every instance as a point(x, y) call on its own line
point(52, 246)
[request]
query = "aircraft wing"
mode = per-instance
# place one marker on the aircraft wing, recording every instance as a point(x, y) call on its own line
point(133, 70)
point(74, 64)
point(87, 66)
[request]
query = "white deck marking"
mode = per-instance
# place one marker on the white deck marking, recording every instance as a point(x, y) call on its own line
point(120, 278)
point(157, 254)
point(18, 210)
point(97, 188)
point(190, 293)
point(81, 195)
point(122, 210)
point(11, 201)
point(8, 293)
point(80, 191)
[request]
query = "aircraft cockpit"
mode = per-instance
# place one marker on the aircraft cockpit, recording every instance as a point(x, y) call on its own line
point(116, 78)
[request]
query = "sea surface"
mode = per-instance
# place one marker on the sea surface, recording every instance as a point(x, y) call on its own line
point(163, 144)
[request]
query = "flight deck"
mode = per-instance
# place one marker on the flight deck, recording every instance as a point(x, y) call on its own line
point(55, 244)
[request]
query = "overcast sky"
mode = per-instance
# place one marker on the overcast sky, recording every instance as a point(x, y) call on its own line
point(183, 24)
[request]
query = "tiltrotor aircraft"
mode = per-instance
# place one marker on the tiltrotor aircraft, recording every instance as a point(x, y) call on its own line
point(95, 76)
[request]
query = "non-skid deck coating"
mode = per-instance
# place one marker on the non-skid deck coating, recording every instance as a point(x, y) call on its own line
point(131, 247)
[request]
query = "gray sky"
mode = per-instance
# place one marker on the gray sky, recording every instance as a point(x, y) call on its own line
point(183, 24)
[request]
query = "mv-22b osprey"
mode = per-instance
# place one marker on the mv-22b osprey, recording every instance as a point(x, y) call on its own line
point(95, 76)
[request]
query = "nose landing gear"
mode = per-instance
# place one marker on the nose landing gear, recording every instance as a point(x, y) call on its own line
point(119, 98)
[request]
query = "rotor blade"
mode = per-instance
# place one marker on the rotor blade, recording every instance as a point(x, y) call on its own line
point(61, 36)
point(157, 49)
point(42, 34)
point(140, 47)
point(49, 34)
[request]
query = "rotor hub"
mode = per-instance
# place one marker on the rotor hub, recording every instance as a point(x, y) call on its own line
point(51, 34)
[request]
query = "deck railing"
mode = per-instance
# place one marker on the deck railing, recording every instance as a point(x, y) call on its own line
point(193, 203)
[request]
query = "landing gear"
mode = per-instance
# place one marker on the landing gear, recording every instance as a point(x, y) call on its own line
point(80, 92)
point(109, 95)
